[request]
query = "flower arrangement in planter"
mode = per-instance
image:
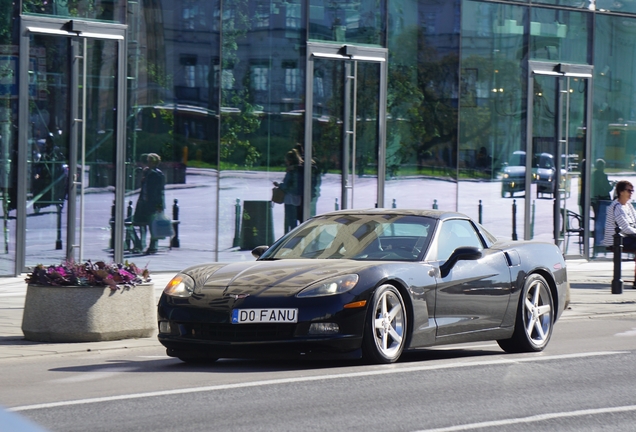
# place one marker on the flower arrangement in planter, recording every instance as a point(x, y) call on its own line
point(89, 302)
point(71, 273)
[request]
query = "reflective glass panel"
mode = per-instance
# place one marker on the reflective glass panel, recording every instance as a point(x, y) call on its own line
point(261, 140)
point(421, 147)
point(560, 35)
point(614, 119)
point(101, 10)
point(8, 152)
point(492, 159)
point(51, 142)
point(358, 22)
point(172, 133)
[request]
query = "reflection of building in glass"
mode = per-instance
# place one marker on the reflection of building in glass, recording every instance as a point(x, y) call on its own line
point(417, 102)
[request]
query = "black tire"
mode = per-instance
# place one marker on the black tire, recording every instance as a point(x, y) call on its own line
point(535, 318)
point(385, 327)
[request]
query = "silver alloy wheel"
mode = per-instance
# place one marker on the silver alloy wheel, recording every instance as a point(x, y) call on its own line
point(389, 323)
point(537, 313)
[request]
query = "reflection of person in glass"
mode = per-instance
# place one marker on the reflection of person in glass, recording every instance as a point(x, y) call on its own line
point(151, 200)
point(601, 187)
point(292, 186)
point(315, 183)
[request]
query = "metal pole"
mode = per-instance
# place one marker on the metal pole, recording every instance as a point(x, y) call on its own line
point(617, 282)
point(514, 219)
point(480, 211)
point(174, 242)
point(237, 224)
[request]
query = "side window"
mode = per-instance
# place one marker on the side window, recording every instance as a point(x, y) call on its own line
point(455, 233)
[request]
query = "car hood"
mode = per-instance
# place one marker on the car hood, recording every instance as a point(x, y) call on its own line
point(274, 277)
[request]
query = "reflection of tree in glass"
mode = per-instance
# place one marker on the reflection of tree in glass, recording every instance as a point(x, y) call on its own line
point(240, 119)
point(420, 103)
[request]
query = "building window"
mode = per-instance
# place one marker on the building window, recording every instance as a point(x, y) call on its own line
point(292, 15)
point(292, 78)
point(260, 77)
point(202, 75)
point(193, 15)
point(262, 15)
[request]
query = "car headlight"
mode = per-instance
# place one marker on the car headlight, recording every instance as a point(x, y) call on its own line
point(506, 175)
point(181, 285)
point(327, 287)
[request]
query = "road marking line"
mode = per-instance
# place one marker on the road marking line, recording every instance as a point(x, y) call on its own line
point(531, 419)
point(388, 369)
point(631, 332)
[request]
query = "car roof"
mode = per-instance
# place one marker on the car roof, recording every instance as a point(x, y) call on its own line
point(434, 214)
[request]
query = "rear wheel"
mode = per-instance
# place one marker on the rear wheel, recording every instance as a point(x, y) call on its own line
point(385, 327)
point(535, 318)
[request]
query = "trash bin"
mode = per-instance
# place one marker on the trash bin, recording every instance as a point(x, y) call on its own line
point(257, 225)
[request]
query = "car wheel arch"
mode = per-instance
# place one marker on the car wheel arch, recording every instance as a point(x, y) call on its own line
point(408, 302)
point(551, 284)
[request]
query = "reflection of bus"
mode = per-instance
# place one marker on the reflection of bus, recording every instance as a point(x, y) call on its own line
point(621, 145)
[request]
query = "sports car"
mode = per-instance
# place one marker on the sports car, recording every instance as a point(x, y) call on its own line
point(368, 284)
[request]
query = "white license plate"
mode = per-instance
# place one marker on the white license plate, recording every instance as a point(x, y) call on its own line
point(254, 316)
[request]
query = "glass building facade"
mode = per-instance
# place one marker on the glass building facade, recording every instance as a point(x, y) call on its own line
point(497, 109)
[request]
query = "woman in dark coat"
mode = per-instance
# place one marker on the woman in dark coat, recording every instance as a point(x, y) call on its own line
point(151, 200)
point(292, 184)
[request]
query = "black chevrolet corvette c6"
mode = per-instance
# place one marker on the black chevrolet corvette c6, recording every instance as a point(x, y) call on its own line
point(368, 283)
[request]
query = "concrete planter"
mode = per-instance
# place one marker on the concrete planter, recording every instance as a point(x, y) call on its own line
point(88, 314)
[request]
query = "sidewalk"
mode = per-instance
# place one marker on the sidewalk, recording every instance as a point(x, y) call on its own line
point(590, 284)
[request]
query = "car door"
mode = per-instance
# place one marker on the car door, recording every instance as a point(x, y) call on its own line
point(475, 294)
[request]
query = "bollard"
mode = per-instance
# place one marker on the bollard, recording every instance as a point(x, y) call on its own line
point(617, 282)
point(58, 241)
point(534, 202)
point(336, 206)
point(394, 205)
point(434, 204)
point(237, 224)
point(514, 219)
point(130, 229)
point(112, 226)
point(480, 211)
point(174, 241)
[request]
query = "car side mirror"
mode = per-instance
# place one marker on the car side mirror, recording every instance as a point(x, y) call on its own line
point(258, 251)
point(465, 253)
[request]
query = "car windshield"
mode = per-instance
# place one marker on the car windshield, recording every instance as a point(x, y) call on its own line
point(517, 159)
point(386, 237)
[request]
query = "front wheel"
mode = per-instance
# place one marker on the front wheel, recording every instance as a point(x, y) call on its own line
point(535, 318)
point(386, 325)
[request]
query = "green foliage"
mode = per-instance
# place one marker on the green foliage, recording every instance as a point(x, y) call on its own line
point(419, 103)
point(236, 127)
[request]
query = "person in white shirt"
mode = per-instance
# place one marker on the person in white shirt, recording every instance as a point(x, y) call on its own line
point(621, 214)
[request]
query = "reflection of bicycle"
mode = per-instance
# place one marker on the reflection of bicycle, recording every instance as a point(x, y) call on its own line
point(49, 180)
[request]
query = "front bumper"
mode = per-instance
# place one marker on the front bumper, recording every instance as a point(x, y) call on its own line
point(191, 331)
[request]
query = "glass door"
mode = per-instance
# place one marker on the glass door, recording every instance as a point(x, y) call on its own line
point(346, 111)
point(559, 146)
point(70, 162)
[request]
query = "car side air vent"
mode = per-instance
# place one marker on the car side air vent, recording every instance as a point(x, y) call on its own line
point(513, 258)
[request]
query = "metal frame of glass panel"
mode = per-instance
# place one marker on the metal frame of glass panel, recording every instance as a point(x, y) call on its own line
point(355, 54)
point(559, 70)
point(73, 29)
